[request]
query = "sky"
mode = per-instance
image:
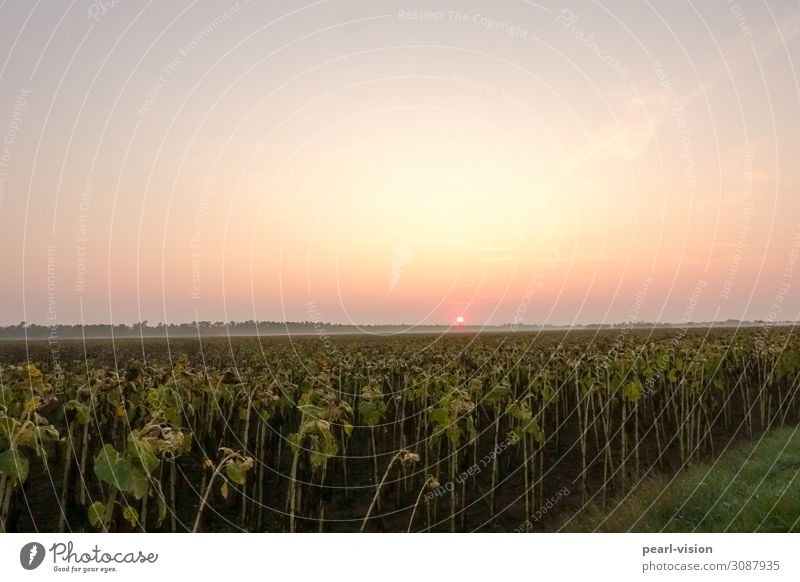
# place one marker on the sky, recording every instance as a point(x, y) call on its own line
point(399, 162)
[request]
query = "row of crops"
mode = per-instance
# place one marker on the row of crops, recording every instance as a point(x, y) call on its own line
point(411, 433)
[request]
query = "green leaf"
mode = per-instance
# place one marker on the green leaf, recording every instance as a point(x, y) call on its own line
point(235, 472)
point(161, 502)
point(143, 452)
point(497, 393)
point(104, 463)
point(532, 428)
point(15, 465)
point(312, 367)
point(96, 511)
point(632, 392)
point(83, 411)
point(549, 394)
point(329, 445)
point(440, 417)
point(371, 405)
point(435, 435)
point(294, 442)
point(312, 411)
point(454, 434)
point(519, 412)
point(117, 471)
point(370, 412)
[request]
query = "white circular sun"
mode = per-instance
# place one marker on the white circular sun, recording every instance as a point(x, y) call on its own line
point(460, 319)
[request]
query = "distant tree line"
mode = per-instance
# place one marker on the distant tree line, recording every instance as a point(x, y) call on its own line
point(25, 330)
point(201, 328)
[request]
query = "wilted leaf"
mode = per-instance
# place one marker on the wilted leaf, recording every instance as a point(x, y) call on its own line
point(318, 459)
point(32, 404)
point(32, 371)
point(294, 442)
point(131, 515)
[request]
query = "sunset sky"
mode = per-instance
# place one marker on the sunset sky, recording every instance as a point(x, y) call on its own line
point(399, 162)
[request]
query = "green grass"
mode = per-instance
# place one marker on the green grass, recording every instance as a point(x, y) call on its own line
point(754, 487)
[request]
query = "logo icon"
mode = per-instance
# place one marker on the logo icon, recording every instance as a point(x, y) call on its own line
point(31, 555)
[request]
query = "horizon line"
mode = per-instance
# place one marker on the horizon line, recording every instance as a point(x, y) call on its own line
point(146, 324)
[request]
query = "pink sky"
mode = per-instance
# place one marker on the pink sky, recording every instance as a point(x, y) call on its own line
point(512, 162)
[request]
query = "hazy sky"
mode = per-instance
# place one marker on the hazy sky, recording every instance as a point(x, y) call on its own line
point(399, 162)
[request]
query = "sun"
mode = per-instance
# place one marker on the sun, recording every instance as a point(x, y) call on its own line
point(460, 320)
